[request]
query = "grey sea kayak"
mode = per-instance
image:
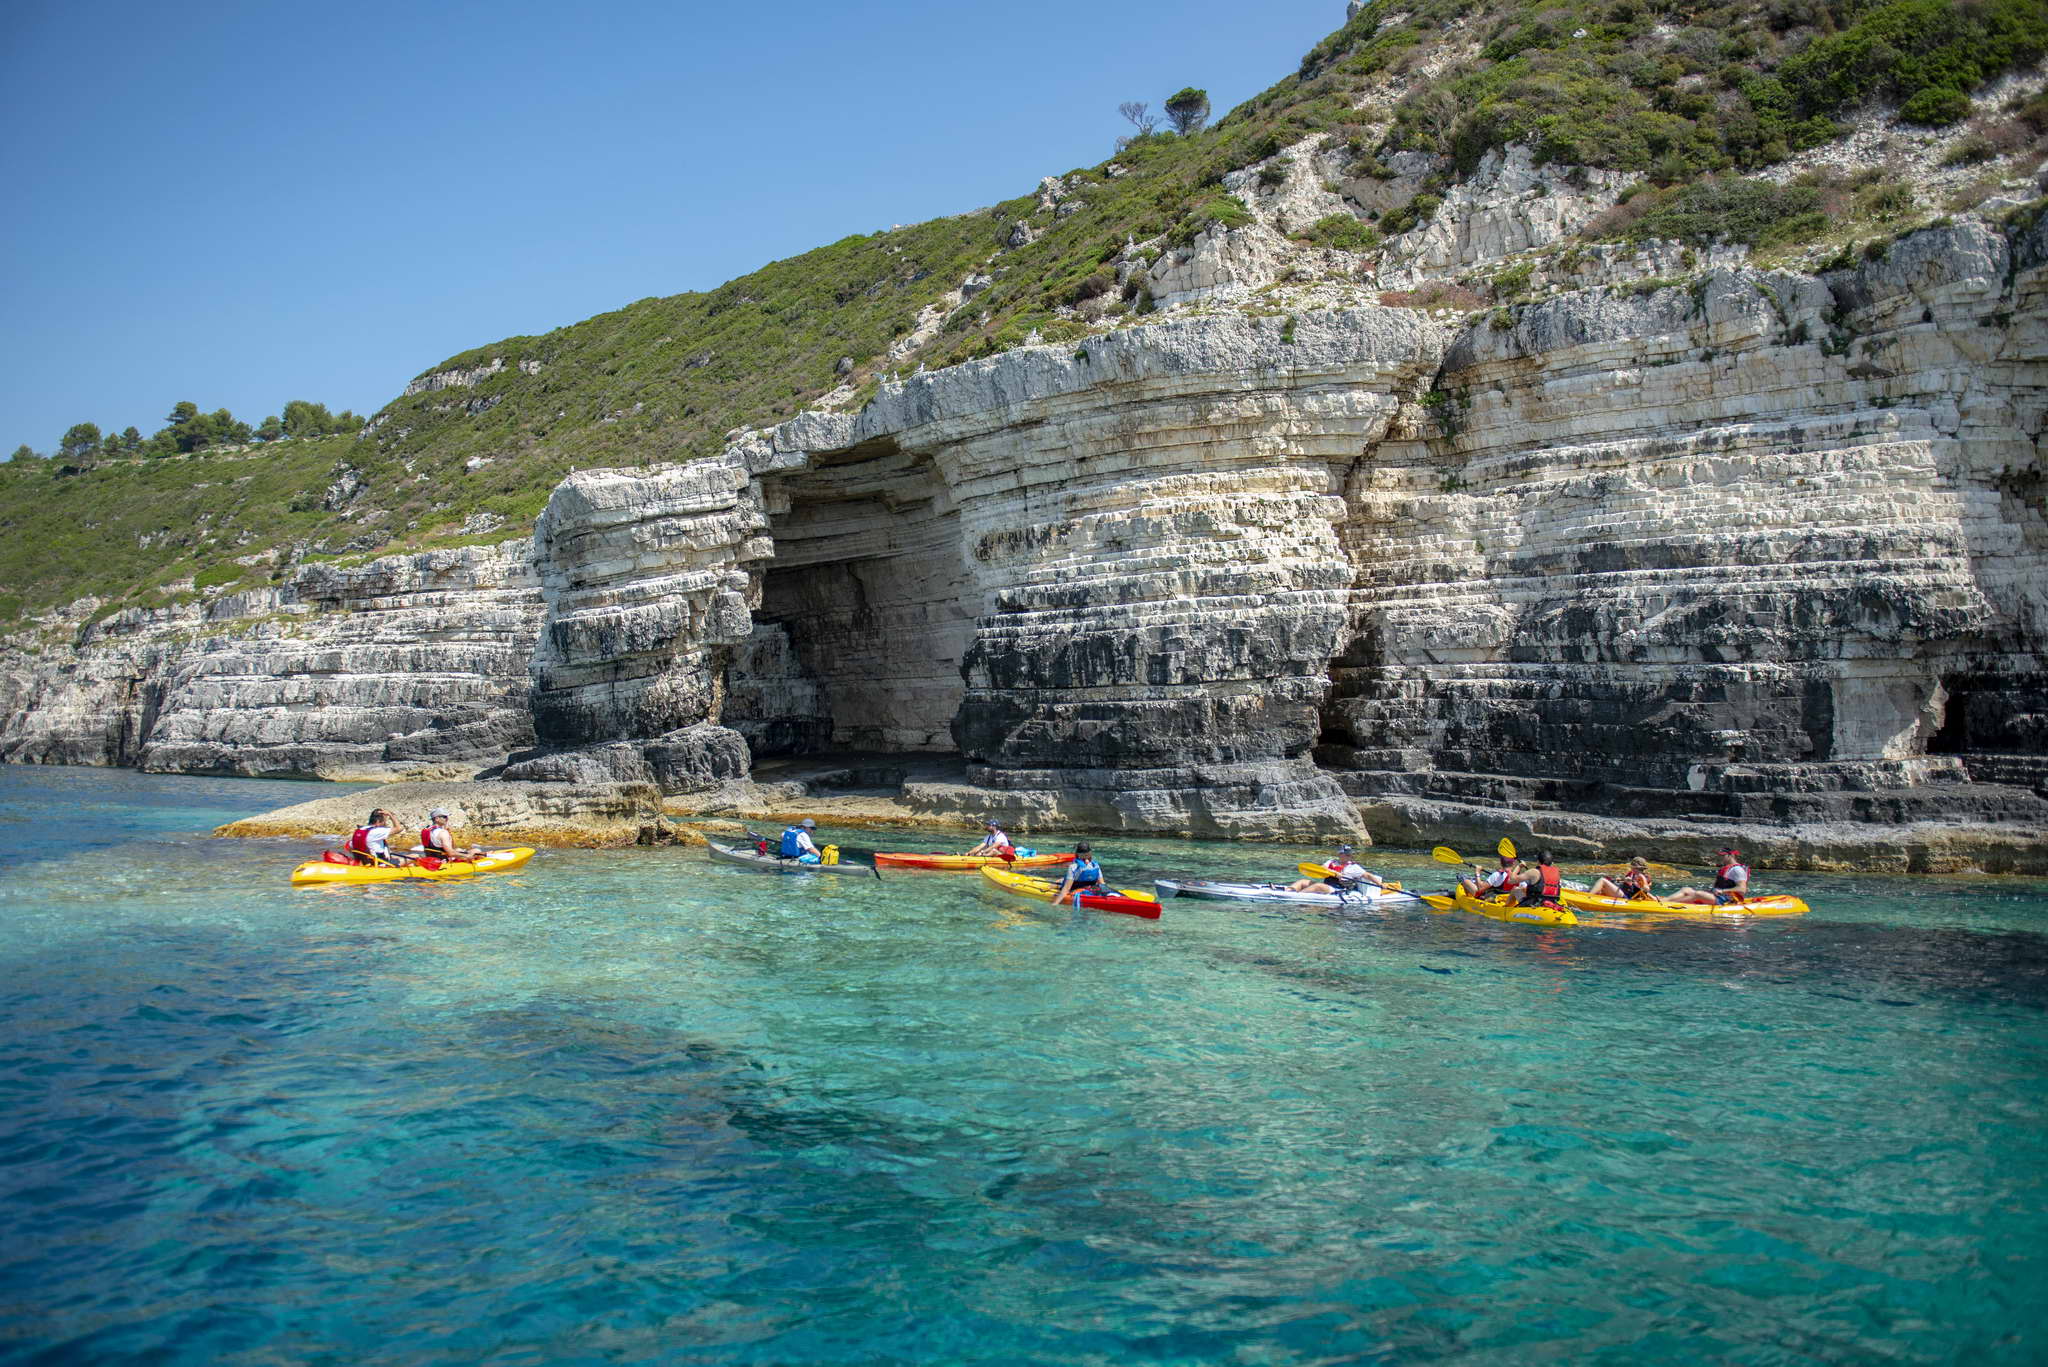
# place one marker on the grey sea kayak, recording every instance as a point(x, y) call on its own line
point(775, 863)
point(1275, 892)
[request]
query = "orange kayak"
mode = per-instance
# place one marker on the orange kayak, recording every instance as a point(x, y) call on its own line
point(970, 862)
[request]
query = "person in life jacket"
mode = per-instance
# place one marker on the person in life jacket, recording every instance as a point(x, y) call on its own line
point(1492, 883)
point(1345, 875)
point(1634, 885)
point(1084, 875)
point(797, 843)
point(996, 843)
point(1542, 884)
point(438, 840)
point(1731, 884)
point(370, 843)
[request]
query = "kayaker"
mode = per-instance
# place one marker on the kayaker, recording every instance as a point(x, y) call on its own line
point(798, 845)
point(1345, 874)
point(1483, 883)
point(1731, 884)
point(1084, 875)
point(370, 843)
point(997, 843)
point(437, 839)
point(1542, 886)
point(1634, 885)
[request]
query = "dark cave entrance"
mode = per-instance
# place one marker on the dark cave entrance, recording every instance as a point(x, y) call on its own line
point(1952, 737)
point(865, 613)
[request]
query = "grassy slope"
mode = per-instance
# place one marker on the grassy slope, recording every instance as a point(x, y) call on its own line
point(1668, 89)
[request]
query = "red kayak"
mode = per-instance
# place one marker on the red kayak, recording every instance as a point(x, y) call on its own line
point(1039, 890)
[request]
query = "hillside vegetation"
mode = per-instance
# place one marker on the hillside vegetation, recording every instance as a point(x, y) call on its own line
point(1686, 99)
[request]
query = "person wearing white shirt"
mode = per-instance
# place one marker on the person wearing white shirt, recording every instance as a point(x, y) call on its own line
point(1345, 875)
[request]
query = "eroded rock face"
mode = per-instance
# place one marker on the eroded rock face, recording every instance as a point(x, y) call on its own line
point(1759, 547)
point(1145, 534)
point(407, 665)
point(647, 594)
point(1764, 547)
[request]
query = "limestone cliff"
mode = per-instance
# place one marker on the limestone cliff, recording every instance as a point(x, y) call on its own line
point(404, 666)
point(1762, 546)
point(1360, 465)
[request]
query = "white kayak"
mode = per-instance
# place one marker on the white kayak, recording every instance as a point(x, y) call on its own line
point(1275, 892)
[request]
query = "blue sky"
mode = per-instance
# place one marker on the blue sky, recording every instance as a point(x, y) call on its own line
point(241, 203)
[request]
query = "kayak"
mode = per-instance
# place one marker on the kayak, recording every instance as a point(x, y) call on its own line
point(315, 872)
point(1498, 910)
point(1780, 905)
point(970, 862)
point(1272, 892)
point(775, 863)
point(1130, 902)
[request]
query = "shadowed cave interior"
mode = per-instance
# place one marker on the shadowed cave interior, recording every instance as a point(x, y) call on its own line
point(865, 613)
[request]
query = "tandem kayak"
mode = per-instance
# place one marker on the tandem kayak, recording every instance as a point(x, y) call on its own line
point(775, 863)
point(1130, 902)
point(1781, 905)
point(1274, 892)
point(316, 872)
point(967, 863)
point(1498, 910)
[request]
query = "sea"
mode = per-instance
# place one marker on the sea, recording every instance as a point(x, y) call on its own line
point(635, 1107)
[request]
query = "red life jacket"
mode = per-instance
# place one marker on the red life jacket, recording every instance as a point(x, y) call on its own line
point(359, 842)
point(1549, 882)
point(427, 840)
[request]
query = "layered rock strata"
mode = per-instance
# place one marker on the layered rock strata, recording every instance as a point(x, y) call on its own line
point(1758, 547)
point(1144, 534)
point(1767, 546)
point(405, 665)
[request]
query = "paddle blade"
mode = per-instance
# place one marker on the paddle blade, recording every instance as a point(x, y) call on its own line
point(1435, 902)
point(1444, 854)
point(1506, 848)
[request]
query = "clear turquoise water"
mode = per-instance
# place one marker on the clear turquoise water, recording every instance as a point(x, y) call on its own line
point(635, 1107)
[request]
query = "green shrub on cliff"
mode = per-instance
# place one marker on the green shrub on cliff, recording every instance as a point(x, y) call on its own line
point(1343, 232)
point(1929, 54)
point(122, 530)
point(1754, 212)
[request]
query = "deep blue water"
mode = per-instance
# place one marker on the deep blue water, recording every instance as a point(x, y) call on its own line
point(634, 1107)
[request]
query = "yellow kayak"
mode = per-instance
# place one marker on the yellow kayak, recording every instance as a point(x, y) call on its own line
point(970, 862)
point(315, 872)
point(1498, 910)
point(1780, 905)
point(1129, 901)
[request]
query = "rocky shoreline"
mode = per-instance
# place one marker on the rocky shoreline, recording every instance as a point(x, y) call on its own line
point(622, 814)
